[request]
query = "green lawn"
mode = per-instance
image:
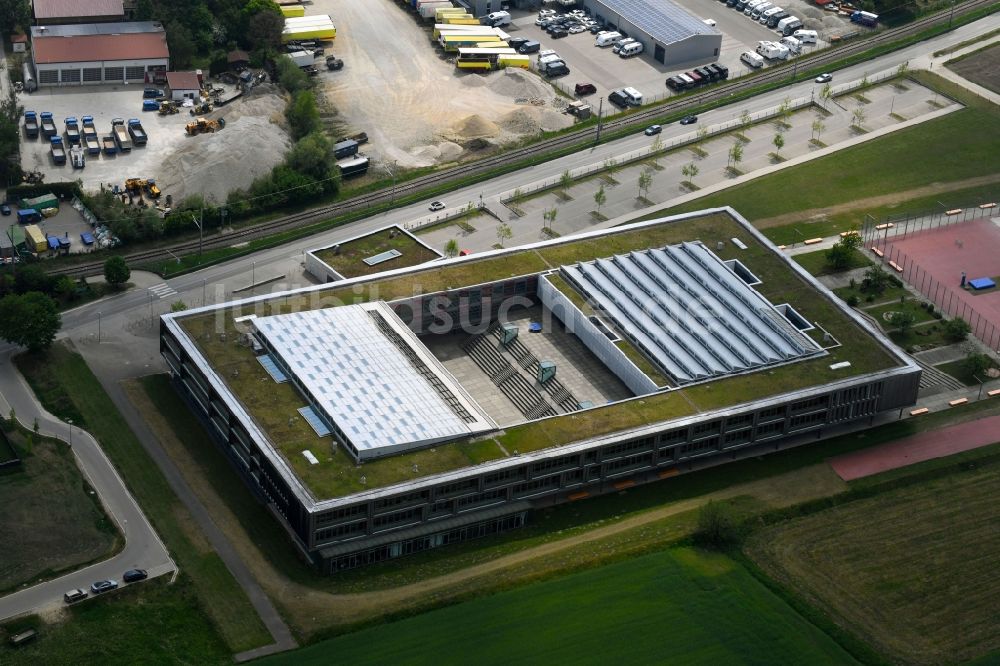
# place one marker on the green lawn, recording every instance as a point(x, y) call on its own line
point(921, 337)
point(891, 294)
point(67, 386)
point(961, 145)
point(816, 263)
point(958, 370)
point(678, 606)
point(348, 260)
point(881, 312)
point(151, 623)
point(52, 520)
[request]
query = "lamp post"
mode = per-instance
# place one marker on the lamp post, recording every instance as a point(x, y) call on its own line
point(253, 276)
point(203, 292)
point(98, 326)
point(70, 422)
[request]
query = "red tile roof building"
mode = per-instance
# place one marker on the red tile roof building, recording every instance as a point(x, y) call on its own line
point(99, 53)
point(54, 12)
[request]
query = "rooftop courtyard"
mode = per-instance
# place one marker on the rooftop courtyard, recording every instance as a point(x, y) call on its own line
point(831, 337)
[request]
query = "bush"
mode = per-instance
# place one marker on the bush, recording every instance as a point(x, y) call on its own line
point(956, 330)
point(116, 271)
point(870, 298)
point(62, 190)
point(853, 300)
point(718, 527)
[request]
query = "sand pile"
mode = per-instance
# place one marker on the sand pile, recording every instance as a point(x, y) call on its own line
point(472, 80)
point(474, 127)
point(519, 121)
point(519, 84)
point(450, 151)
point(214, 164)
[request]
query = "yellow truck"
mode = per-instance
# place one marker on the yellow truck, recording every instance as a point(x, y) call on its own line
point(35, 239)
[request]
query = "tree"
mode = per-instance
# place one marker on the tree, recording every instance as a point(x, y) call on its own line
point(178, 306)
point(599, 198)
point(64, 287)
point(451, 248)
point(290, 76)
point(14, 14)
point(549, 216)
point(840, 255)
point(702, 133)
point(611, 166)
point(876, 280)
point(565, 181)
point(657, 145)
point(718, 527)
point(745, 119)
point(690, 172)
point(903, 68)
point(264, 29)
point(956, 330)
point(645, 180)
point(181, 44)
point(977, 364)
point(503, 233)
point(30, 320)
point(785, 110)
point(116, 271)
point(859, 116)
point(903, 321)
point(311, 155)
point(825, 93)
point(736, 154)
point(302, 114)
point(779, 143)
point(817, 128)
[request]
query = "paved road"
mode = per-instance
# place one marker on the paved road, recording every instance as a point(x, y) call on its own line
point(143, 548)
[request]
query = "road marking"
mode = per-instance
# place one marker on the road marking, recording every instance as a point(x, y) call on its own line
point(163, 290)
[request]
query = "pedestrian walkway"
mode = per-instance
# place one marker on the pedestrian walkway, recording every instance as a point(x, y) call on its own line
point(163, 290)
point(912, 450)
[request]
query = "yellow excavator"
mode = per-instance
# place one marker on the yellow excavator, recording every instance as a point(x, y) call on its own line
point(203, 125)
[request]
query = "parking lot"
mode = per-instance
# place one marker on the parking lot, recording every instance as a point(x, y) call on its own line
point(211, 164)
point(607, 71)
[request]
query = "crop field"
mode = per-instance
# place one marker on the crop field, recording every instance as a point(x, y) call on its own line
point(910, 571)
point(677, 606)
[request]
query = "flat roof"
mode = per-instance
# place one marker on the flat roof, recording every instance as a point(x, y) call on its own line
point(263, 406)
point(689, 312)
point(372, 378)
point(92, 42)
point(662, 20)
point(50, 9)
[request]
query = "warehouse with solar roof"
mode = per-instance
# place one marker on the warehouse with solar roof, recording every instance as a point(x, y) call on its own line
point(668, 32)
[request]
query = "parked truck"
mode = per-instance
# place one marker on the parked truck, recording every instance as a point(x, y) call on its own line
point(865, 18)
point(136, 131)
point(48, 125)
point(72, 131)
point(34, 238)
point(90, 136)
point(76, 157)
point(302, 58)
point(108, 143)
point(31, 124)
point(122, 139)
point(58, 151)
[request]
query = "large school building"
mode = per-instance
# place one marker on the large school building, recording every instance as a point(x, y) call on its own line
point(392, 413)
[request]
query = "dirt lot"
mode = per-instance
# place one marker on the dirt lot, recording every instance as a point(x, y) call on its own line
point(252, 142)
point(982, 67)
point(416, 107)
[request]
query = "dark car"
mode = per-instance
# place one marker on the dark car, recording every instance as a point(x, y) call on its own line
point(652, 129)
point(102, 586)
point(517, 42)
point(559, 34)
point(596, 28)
point(5, 209)
point(580, 89)
point(152, 93)
point(134, 575)
point(689, 120)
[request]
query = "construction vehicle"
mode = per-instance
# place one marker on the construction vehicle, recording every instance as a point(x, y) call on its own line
point(48, 125)
point(109, 145)
point(334, 63)
point(90, 136)
point(203, 107)
point(135, 186)
point(202, 125)
point(120, 133)
point(33, 177)
point(168, 108)
point(76, 157)
point(58, 151)
point(31, 124)
point(152, 189)
point(72, 131)
point(136, 131)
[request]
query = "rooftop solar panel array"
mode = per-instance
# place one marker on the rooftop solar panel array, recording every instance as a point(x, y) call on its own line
point(688, 312)
point(361, 382)
point(272, 368)
point(660, 19)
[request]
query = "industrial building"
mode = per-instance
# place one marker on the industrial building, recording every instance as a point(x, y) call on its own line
point(99, 53)
point(386, 414)
point(666, 30)
point(183, 85)
point(62, 12)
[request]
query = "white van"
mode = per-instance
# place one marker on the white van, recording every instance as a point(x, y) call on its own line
point(805, 36)
point(497, 19)
point(768, 14)
point(760, 9)
point(794, 45)
point(544, 53)
point(622, 43)
point(548, 57)
point(634, 96)
point(608, 39)
point(633, 49)
point(751, 59)
point(750, 6)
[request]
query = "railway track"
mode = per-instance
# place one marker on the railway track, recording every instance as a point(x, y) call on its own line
point(717, 93)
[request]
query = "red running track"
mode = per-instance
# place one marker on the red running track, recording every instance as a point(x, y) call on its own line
point(912, 450)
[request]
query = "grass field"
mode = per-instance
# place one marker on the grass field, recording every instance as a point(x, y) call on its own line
point(679, 606)
point(816, 263)
point(911, 571)
point(52, 522)
point(66, 387)
point(957, 369)
point(348, 260)
point(151, 623)
point(939, 150)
